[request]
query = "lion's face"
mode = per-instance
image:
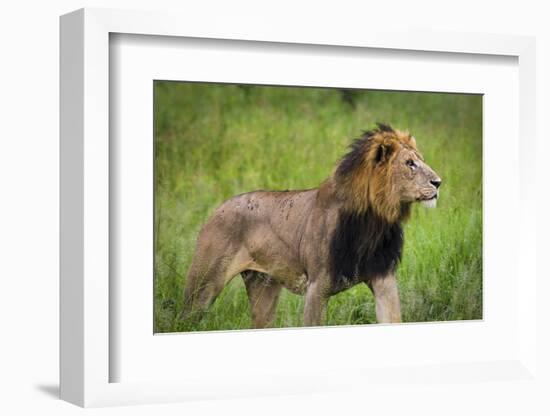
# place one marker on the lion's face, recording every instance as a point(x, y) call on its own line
point(414, 180)
point(384, 172)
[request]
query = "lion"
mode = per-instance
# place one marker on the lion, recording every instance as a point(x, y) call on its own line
point(321, 241)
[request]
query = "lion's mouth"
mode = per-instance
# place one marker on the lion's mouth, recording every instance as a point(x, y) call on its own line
point(429, 202)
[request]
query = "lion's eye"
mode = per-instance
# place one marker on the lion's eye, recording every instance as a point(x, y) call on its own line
point(411, 163)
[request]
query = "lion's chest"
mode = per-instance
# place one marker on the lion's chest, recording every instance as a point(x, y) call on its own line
point(363, 246)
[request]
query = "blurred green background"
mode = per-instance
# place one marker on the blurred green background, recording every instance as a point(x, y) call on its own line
point(213, 141)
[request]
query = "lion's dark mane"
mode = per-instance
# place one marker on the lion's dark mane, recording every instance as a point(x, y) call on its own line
point(365, 243)
point(363, 246)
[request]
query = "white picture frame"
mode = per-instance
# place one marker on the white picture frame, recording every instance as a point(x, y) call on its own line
point(86, 356)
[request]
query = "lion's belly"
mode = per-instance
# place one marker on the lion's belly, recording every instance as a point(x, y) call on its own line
point(291, 278)
point(287, 271)
point(298, 285)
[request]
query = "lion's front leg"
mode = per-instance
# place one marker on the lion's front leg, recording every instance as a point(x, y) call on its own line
point(315, 305)
point(386, 295)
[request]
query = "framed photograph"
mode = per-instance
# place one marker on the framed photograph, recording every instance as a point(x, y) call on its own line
point(237, 210)
point(340, 230)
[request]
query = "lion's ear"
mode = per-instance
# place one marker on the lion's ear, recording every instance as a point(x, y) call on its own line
point(383, 152)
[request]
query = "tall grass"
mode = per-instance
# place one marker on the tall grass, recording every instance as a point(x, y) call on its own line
point(214, 141)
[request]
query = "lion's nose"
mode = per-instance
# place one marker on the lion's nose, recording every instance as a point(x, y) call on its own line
point(436, 182)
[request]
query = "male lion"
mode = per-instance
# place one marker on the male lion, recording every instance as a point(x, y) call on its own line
point(320, 241)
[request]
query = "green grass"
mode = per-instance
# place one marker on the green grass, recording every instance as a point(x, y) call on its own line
point(214, 141)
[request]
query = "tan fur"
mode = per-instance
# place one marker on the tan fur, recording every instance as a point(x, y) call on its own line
point(388, 309)
point(283, 239)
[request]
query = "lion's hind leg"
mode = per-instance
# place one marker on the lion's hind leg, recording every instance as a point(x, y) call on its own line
point(201, 289)
point(263, 293)
point(210, 272)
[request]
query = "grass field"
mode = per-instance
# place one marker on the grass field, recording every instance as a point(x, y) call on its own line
point(214, 141)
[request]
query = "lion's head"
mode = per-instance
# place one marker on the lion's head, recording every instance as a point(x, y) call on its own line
point(385, 172)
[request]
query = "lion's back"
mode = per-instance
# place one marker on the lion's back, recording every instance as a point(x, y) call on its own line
point(261, 216)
